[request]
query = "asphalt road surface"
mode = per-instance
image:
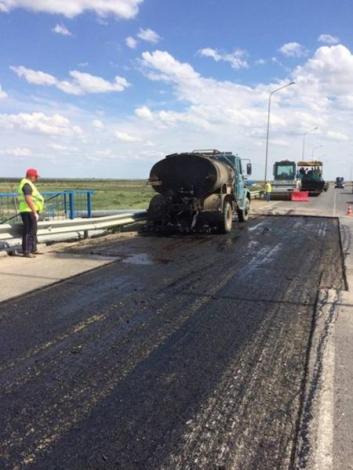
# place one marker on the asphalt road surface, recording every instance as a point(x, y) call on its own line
point(186, 352)
point(333, 203)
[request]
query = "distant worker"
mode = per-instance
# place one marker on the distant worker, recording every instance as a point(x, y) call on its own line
point(268, 191)
point(302, 171)
point(31, 204)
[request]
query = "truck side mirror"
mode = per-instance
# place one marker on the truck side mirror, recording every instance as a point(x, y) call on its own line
point(248, 169)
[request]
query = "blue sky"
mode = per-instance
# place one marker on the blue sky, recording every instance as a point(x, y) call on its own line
point(104, 88)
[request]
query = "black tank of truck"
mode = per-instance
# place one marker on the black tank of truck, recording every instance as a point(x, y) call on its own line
point(197, 189)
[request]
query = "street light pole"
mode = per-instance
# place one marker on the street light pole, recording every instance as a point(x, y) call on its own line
point(268, 121)
point(304, 136)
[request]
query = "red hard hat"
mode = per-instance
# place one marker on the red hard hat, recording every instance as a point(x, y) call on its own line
point(32, 172)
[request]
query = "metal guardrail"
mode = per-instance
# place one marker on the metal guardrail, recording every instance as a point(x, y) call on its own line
point(58, 204)
point(47, 229)
point(256, 194)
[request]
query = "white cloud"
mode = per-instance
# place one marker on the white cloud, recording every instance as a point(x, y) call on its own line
point(144, 113)
point(328, 39)
point(168, 68)
point(97, 124)
point(329, 71)
point(105, 152)
point(64, 148)
point(70, 8)
point(80, 83)
point(210, 99)
point(35, 77)
point(17, 152)
point(40, 123)
point(260, 62)
point(2, 93)
point(88, 83)
point(61, 29)
point(276, 61)
point(126, 137)
point(131, 42)
point(233, 116)
point(339, 136)
point(149, 35)
point(210, 113)
point(293, 49)
point(236, 58)
point(164, 119)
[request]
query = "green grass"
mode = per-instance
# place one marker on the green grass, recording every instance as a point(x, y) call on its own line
point(109, 194)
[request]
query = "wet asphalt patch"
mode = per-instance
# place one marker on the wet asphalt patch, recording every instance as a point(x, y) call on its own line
point(198, 362)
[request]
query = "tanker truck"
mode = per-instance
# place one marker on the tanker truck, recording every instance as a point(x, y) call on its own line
point(198, 190)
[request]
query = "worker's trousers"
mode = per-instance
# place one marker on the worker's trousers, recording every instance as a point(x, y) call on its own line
point(29, 234)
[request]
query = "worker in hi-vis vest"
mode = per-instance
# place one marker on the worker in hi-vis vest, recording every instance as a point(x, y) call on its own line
point(268, 190)
point(31, 204)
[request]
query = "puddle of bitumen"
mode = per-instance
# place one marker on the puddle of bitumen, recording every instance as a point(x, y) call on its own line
point(144, 259)
point(139, 258)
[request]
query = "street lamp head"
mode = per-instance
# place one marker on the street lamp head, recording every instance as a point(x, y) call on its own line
point(311, 130)
point(281, 87)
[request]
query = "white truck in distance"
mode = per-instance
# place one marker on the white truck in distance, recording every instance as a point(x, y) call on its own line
point(285, 179)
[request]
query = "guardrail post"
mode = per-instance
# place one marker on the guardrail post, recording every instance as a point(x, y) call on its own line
point(71, 205)
point(89, 204)
point(65, 204)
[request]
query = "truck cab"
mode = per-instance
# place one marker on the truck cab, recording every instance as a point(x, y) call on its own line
point(310, 174)
point(285, 179)
point(339, 182)
point(241, 190)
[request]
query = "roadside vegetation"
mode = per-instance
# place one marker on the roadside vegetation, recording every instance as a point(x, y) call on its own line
point(109, 194)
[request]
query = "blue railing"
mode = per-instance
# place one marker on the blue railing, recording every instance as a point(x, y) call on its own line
point(58, 205)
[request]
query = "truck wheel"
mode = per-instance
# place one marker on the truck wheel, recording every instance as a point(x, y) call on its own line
point(227, 218)
point(243, 214)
